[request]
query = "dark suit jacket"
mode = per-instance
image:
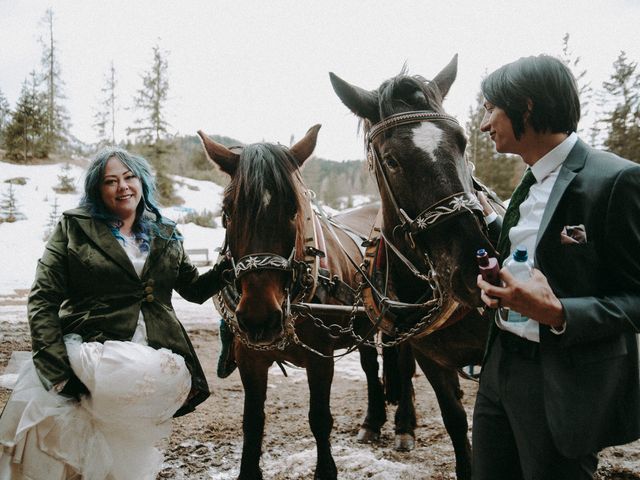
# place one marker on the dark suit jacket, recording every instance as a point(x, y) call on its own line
point(590, 372)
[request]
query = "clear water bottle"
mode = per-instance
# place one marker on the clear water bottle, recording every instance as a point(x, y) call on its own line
point(519, 264)
point(521, 267)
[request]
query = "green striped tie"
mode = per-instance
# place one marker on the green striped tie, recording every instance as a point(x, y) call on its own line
point(512, 215)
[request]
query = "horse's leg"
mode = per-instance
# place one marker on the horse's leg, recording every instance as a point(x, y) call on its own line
point(253, 372)
point(320, 376)
point(446, 385)
point(405, 418)
point(376, 414)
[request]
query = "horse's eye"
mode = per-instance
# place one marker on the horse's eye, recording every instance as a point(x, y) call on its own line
point(391, 162)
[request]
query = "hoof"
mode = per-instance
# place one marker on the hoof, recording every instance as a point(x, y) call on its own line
point(404, 442)
point(367, 436)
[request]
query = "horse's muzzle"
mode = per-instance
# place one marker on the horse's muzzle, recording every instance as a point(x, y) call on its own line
point(263, 330)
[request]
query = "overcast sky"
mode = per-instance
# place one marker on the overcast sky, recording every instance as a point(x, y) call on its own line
point(258, 70)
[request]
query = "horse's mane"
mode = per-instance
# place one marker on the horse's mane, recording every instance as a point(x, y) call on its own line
point(404, 90)
point(262, 168)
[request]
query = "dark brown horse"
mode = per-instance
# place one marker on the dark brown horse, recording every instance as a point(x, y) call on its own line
point(286, 257)
point(430, 215)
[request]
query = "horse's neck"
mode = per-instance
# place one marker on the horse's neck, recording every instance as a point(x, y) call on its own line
point(406, 286)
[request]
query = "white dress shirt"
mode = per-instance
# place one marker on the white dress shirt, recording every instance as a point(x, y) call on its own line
point(526, 231)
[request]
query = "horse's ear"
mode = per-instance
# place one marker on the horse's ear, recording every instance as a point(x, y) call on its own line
point(447, 75)
point(360, 101)
point(304, 148)
point(219, 154)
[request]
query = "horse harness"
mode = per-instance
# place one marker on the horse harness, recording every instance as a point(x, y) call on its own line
point(438, 310)
point(309, 279)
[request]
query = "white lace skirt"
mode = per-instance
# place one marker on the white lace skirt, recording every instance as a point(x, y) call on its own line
point(115, 433)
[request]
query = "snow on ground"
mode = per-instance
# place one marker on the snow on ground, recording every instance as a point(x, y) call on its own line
point(352, 463)
point(22, 242)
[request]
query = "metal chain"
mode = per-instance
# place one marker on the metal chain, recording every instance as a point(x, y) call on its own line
point(230, 320)
point(333, 329)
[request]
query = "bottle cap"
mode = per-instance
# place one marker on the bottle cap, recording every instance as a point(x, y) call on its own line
point(481, 252)
point(520, 254)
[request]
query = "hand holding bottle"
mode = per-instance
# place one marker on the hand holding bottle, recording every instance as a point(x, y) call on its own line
point(532, 298)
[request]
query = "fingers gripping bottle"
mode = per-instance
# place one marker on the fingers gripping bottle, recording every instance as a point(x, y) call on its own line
point(521, 267)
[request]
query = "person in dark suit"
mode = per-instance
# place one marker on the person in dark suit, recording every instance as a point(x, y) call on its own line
point(560, 378)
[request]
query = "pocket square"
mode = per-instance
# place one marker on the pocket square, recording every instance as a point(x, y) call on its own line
point(573, 234)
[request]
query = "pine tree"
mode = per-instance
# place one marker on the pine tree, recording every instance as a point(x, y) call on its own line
point(56, 125)
point(66, 181)
point(105, 116)
point(151, 100)
point(9, 206)
point(52, 221)
point(622, 100)
point(585, 91)
point(152, 128)
point(5, 116)
point(497, 171)
point(24, 135)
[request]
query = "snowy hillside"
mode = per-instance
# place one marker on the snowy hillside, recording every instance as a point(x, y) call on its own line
point(22, 242)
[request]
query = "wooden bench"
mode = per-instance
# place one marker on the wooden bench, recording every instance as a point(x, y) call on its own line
point(201, 256)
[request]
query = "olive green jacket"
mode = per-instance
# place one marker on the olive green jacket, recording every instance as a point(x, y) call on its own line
point(86, 284)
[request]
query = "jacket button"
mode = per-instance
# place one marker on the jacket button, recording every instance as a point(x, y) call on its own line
point(149, 298)
point(148, 289)
point(150, 282)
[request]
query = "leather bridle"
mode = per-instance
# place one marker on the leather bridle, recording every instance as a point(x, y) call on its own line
point(441, 211)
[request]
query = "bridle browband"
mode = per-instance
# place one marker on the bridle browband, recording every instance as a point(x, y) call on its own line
point(407, 118)
point(263, 261)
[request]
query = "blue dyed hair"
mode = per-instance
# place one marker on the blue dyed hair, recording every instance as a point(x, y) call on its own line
point(145, 223)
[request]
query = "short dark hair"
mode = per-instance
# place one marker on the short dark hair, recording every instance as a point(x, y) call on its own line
point(544, 80)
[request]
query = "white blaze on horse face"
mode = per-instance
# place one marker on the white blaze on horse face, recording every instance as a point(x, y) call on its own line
point(266, 198)
point(427, 137)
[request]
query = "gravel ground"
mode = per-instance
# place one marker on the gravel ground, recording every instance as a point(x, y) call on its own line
point(207, 444)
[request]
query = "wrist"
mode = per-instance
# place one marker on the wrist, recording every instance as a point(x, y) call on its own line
point(560, 329)
point(559, 324)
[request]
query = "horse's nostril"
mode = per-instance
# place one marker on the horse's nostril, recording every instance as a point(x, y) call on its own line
point(274, 321)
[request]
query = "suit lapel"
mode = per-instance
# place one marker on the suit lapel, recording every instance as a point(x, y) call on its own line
point(101, 235)
point(570, 167)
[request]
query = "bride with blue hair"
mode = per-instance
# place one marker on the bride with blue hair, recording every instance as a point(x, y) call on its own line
point(111, 362)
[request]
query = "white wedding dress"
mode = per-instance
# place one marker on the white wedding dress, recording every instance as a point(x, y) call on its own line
point(112, 434)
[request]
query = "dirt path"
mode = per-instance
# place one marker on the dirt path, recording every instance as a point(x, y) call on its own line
point(207, 444)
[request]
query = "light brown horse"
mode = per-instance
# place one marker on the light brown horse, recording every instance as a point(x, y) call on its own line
point(284, 256)
point(431, 216)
